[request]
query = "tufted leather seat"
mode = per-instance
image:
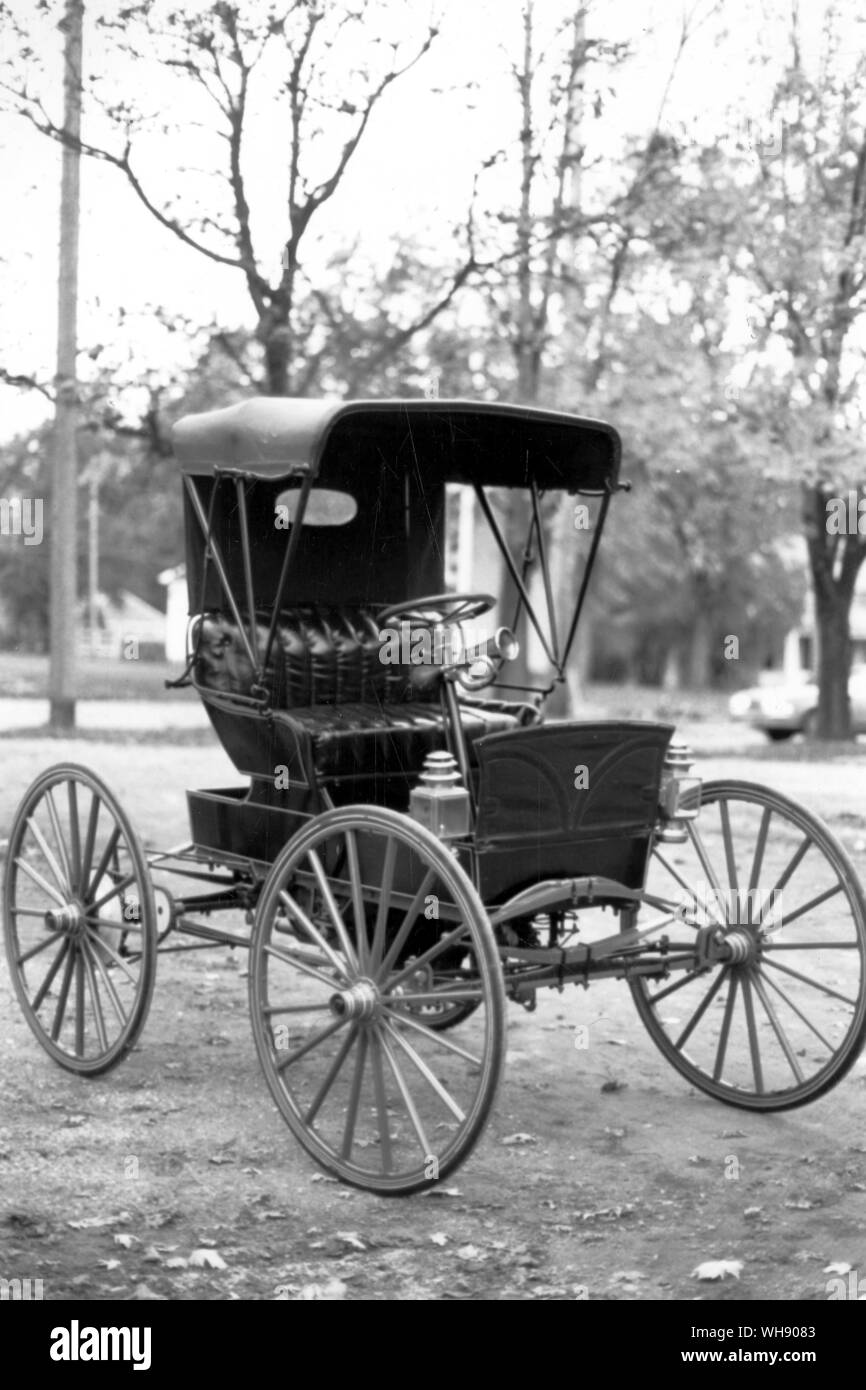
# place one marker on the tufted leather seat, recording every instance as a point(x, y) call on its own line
point(352, 714)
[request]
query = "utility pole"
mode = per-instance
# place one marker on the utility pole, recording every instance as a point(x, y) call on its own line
point(64, 530)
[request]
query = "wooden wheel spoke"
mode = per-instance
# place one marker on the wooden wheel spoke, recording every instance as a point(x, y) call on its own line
point(312, 931)
point(730, 857)
point(799, 1012)
point(121, 964)
point(90, 840)
point(60, 1011)
point(357, 889)
point(429, 1076)
point(814, 984)
point(807, 907)
point(122, 1016)
point(119, 887)
point(298, 963)
point(36, 877)
point(58, 838)
point(758, 860)
point(378, 946)
point(98, 1016)
point(40, 946)
point(700, 1010)
point(61, 881)
point(79, 1004)
point(39, 996)
point(406, 1096)
point(443, 944)
point(440, 1039)
point(777, 1028)
point(405, 927)
point(74, 836)
point(693, 893)
point(333, 910)
point(701, 851)
point(725, 1032)
point(311, 1043)
point(751, 1028)
point(676, 984)
point(381, 1101)
point(354, 1096)
point(331, 1075)
point(793, 864)
point(107, 855)
point(273, 1010)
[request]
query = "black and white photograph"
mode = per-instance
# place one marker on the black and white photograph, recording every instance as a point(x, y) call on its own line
point(433, 663)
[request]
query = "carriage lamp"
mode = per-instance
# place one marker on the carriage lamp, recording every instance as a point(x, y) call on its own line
point(440, 801)
point(679, 794)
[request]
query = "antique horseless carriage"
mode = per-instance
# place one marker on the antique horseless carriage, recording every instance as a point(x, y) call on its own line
point(413, 844)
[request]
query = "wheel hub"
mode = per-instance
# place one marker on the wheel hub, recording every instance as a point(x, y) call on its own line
point(69, 919)
point(359, 1001)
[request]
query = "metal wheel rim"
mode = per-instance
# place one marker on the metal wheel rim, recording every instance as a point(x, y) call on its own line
point(766, 994)
point(364, 1112)
point(79, 920)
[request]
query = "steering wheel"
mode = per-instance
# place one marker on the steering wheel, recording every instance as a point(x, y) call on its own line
point(439, 608)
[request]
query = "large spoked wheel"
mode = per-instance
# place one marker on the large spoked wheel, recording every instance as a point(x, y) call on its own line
point(777, 1014)
point(357, 921)
point(80, 922)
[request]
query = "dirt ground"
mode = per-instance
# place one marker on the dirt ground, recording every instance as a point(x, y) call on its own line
point(602, 1173)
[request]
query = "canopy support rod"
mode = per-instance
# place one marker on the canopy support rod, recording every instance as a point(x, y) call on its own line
point(216, 556)
point(240, 489)
point(291, 550)
point(587, 573)
point(514, 572)
point(545, 572)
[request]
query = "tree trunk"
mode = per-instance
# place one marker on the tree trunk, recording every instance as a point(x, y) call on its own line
point(835, 560)
point(832, 611)
point(698, 663)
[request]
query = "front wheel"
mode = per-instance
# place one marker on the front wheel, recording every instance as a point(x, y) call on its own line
point(366, 929)
point(781, 1019)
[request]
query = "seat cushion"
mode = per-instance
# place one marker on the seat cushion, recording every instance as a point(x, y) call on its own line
point(367, 740)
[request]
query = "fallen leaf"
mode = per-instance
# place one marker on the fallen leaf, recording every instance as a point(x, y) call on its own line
point(91, 1223)
point(123, 1239)
point(801, 1204)
point(109, 1264)
point(517, 1139)
point(143, 1294)
point(439, 1238)
point(718, 1269)
point(352, 1239)
point(609, 1086)
point(469, 1252)
point(332, 1291)
point(838, 1267)
point(207, 1259)
point(176, 1262)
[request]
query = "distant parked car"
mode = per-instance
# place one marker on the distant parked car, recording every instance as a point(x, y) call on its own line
point(780, 711)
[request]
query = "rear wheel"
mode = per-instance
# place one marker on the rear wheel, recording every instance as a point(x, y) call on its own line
point(80, 921)
point(357, 921)
point(782, 1019)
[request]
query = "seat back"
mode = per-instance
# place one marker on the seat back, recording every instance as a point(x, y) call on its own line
point(320, 656)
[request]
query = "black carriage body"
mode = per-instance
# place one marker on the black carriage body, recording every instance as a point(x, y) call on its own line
point(287, 658)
